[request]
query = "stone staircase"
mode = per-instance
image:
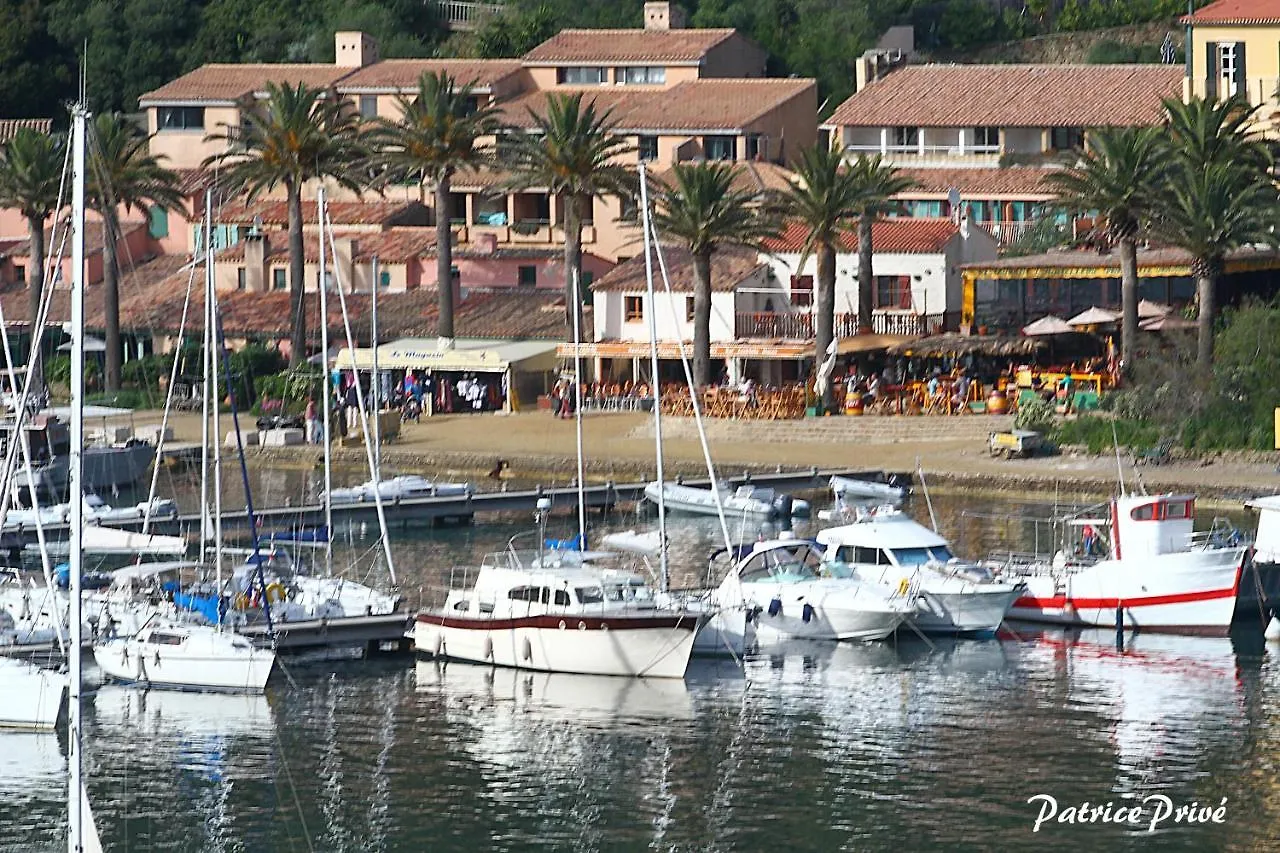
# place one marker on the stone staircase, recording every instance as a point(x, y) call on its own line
point(835, 430)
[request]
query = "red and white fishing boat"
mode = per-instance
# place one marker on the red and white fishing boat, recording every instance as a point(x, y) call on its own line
point(1142, 565)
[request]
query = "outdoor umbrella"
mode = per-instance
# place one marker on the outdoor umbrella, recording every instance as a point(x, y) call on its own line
point(1165, 323)
point(1148, 310)
point(1050, 325)
point(1093, 317)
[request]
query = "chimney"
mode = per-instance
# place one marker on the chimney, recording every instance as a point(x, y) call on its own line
point(256, 249)
point(485, 244)
point(354, 49)
point(664, 16)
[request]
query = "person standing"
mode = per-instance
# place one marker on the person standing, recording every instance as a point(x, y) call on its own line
point(312, 423)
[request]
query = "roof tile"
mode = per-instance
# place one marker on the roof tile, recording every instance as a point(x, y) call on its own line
point(892, 236)
point(627, 46)
point(393, 75)
point(276, 213)
point(227, 82)
point(730, 266)
point(1237, 13)
point(1010, 181)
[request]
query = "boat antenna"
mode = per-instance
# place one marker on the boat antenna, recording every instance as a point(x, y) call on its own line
point(1115, 443)
point(924, 486)
point(664, 567)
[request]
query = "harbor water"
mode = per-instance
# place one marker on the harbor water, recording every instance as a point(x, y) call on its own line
point(902, 745)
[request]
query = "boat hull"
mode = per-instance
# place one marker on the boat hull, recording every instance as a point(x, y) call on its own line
point(132, 662)
point(657, 646)
point(1192, 592)
point(1259, 593)
point(975, 611)
point(30, 697)
point(827, 624)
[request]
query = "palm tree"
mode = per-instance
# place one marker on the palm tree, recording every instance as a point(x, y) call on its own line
point(571, 152)
point(1215, 195)
point(294, 135)
point(1114, 180)
point(30, 178)
point(122, 175)
point(877, 183)
point(437, 134)
point(825, 200)
point(701, 209)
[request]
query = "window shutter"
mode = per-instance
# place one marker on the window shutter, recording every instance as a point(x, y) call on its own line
point(1241, 86)
point(1211, 71)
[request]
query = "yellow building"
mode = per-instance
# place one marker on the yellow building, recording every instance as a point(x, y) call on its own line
point(1235, 50)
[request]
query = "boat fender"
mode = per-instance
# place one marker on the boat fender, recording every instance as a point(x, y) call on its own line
point(487, 651)
point(242, 602)
point(807, 613)
point(561, 626)
point(775, 607)
point(275, 592)
point(904, 586)
point(439, 646)
point(526, 650)
point(582, 626)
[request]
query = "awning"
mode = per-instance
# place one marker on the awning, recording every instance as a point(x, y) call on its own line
point(91, 344)
point(871, 343)
point(785, 350)
point(953, 344)
point(470, 355)
point(1166, 323)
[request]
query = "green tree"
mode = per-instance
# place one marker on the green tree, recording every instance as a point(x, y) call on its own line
point(294, 135)
point(701, 209)
point(1115, 180)
point(34, 68)
point(878, 182)
point(513, 33)
point(122, 175)
point(825, 199)
point(1216, 195)
point(438, 132)
point(30, 178)
point(571, 151)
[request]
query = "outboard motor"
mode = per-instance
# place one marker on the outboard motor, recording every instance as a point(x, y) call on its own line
point(782, 506)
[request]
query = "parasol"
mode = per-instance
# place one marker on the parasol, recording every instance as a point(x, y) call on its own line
point(1148, 310)
point(1050, 325)
point(1166, 323)
point(1093, 317)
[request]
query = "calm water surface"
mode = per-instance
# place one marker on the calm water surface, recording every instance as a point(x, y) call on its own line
point(893, 746)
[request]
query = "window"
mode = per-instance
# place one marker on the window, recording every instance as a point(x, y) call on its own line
point(652, 75)
point(757, 146)
point(688, 309)
point(158, 222)
point(384, 279)
point(1067, 138)
point(279, 279)
point(583, 76)
point(528, 276)
point(368, 106)
point(589, 594)
point(629, 211)
point(719, 147)
point(986, 137)
point(801, 290)
point(904, 137)
point(1229, 61)
point(892, 291)
point(633, 308)
point(19, 272)
point(648, 148)
point(1146, 512)
point(562, 598)
point(180, 118)
point(241, 278)
point(920, 556)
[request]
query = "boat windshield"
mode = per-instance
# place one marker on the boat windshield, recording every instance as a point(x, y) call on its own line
point(920, 556)
point(782, 565)
point(589, 594)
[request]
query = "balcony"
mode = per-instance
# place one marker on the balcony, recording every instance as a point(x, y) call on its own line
point(1008, 233)
point(531, 231)
point(464, 16)
point(936, 156)
point(799, 326)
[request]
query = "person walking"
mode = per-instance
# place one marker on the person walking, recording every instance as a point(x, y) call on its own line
point(312, 422)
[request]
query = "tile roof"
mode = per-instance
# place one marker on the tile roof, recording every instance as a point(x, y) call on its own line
point(10, 126)
point(1237, 13)
point(730, 266)
point(92, 239)
point(987, 183)
point(626, 46)
point(892, 236)
point(276, 213)
point(393, 75)
point(1013, 96)
point(219, 82)
point(712, 104)
point(1089, 259)
point(396, 246)
point(754, 177)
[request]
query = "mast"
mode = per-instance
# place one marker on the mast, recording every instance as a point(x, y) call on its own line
point(324, 369)
point(664, 568)
point(375, 383)
point(75, 474)
point(577, 409)
point(215, 340)
point(206, 523)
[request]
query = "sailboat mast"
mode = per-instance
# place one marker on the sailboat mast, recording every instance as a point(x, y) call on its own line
point(375, 381)
point(577, 408)
point(206, 522)
point(215, 346)
point(653, 382)
point(324, 369)
point(75, 473)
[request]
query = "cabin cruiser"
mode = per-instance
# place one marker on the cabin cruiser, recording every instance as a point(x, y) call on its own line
point(746, 500)
point(885, 545)
point(789, 594)
point(567, 618)
point(30, 697)
point(186, 656)
point(858, 489)
point(399, 488)
point(108, 465)
point(1141, 564)
point(95, 511)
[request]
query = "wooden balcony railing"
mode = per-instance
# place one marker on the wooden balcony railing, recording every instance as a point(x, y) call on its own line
point(799, 326)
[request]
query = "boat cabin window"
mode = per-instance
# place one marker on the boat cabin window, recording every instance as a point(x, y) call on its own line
point(589, 594)
point(562, 598)
point(162, 638)
point(532, 594)
point(461, 605)
point(1146, 512)
point(1164, 511)
point(920, 556)
point(862, 555)
point(486, 607)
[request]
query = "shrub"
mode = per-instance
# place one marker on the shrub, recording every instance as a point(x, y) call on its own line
point(1035, 415)
point(1096, 433)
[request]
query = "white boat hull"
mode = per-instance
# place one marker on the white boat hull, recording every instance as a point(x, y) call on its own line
point(627, 644)
point(30, 697)
point(977, 611)
point(154, 665)
point(848, 487)
point(1190, 592)
point(827, 624)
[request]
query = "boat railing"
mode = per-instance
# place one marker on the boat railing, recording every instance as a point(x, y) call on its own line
point(1221, 534)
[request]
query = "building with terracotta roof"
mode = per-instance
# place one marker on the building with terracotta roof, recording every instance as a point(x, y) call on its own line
point(1233, 52)
point(10, 126)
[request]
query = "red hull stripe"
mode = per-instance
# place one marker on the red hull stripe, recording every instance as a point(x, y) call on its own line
point(1060, 601)
point(570, 622)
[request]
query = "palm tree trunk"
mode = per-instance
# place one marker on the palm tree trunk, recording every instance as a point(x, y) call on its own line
point(111, 300)
point(701, 318)
point(865, 279)
point(444, 260)
point(297, 280)
point(35, 279)
point(825, 313)
point(572, 264)
point(1128, 302)
point(1204, 323)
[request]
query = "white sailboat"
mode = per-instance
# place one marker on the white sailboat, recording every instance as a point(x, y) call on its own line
point(30, 697)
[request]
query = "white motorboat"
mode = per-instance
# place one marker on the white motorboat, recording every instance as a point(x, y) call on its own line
point(1141, 565)
point(746, 500)
point(30, 697)
point(96, 511)
point(186, 656)
point(1259, 593)
point(566, 619)
point(399, 488)
point(850, 488)
point(886, 546)
point(107, 465)
point(785, 587)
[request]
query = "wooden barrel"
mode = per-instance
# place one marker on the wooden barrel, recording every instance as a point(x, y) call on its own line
point(997, 403)
point(853, 402)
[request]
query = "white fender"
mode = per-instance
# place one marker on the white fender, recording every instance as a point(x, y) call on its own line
point(526, 649)
point(487, 651)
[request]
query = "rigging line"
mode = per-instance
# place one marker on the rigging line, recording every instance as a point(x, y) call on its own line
point(326, 225)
